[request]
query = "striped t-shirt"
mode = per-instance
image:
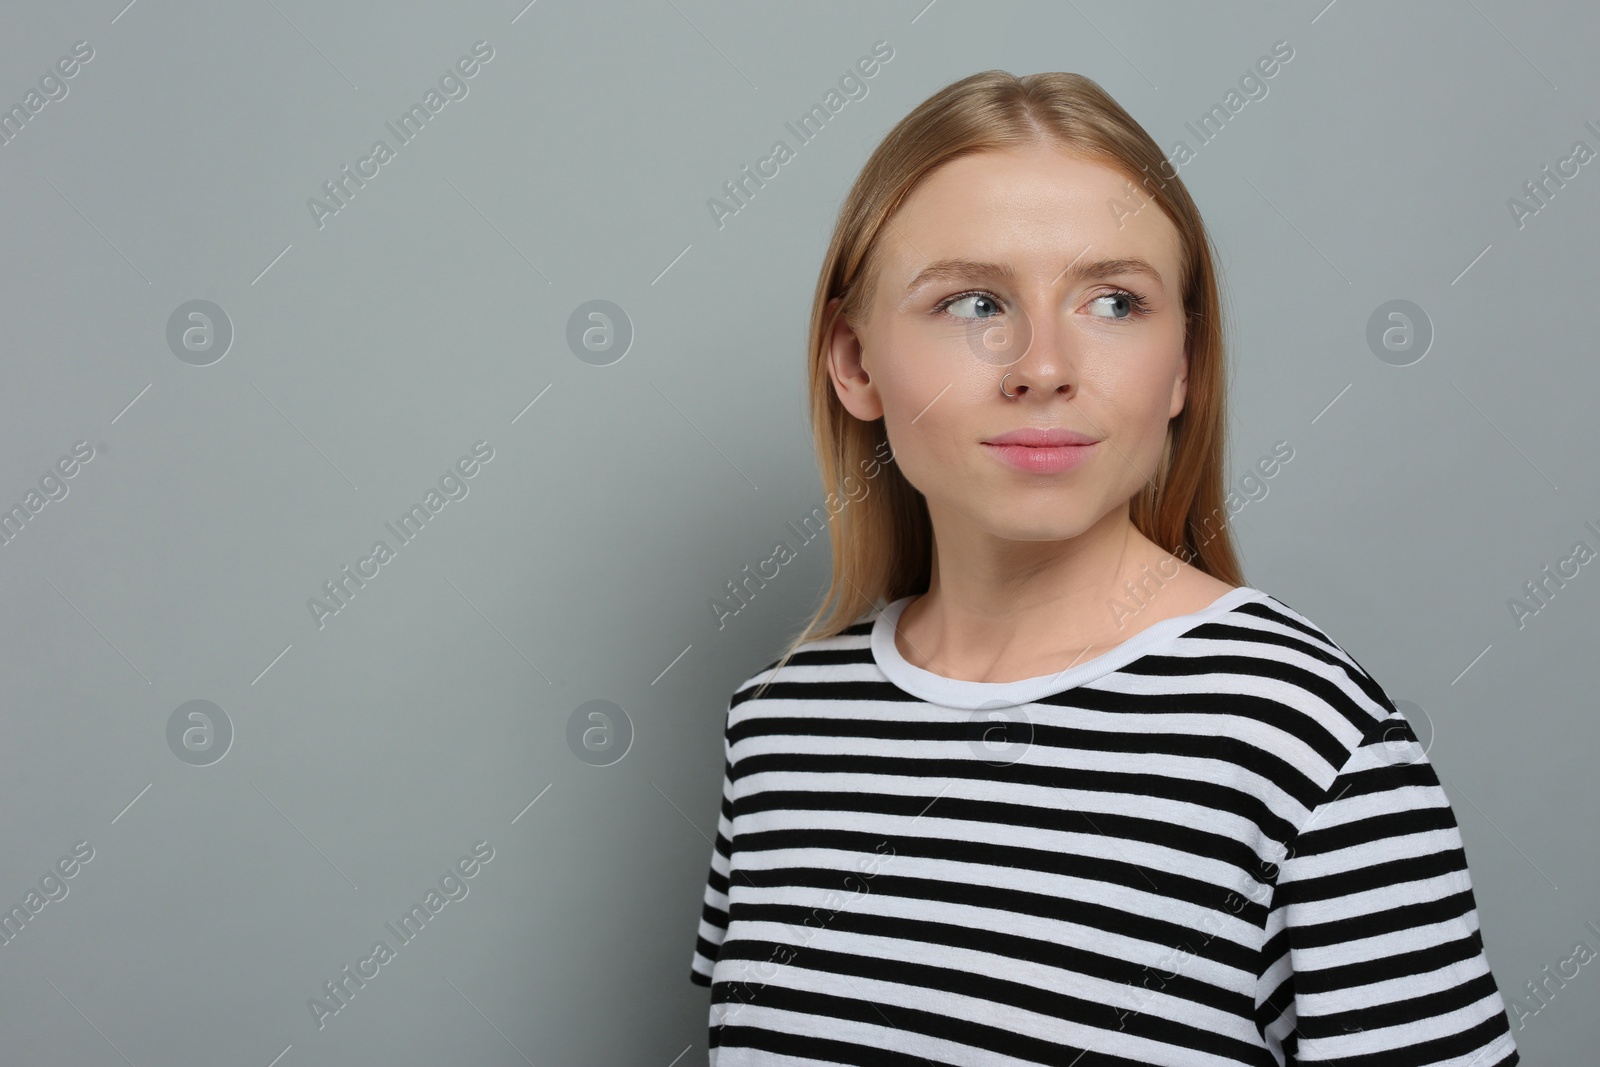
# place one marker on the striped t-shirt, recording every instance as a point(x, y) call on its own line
point(1218, 843)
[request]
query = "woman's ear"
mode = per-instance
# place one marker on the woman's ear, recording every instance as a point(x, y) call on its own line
point(847, 367)
point(1180, 386)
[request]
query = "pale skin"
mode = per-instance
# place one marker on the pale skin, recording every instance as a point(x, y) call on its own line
point(1027, 567)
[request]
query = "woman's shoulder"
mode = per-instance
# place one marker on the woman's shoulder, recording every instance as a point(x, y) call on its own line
point(829, 657)
point(1302, 667)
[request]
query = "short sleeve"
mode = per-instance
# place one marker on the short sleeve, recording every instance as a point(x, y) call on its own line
point(1373, 954)
point(714, 907)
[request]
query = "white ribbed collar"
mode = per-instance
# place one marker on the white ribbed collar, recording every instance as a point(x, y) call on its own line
point(955, 693)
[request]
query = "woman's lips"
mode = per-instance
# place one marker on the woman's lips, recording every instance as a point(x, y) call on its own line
point(1050, 459)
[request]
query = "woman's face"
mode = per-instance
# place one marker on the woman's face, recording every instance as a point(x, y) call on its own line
point(1026, 262)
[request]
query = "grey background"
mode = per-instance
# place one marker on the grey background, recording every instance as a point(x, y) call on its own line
point(368, 355)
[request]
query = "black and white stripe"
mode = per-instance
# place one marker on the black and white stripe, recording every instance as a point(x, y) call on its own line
point(1217, 844)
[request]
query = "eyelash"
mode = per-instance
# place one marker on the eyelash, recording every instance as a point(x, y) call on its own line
point(1140, 307)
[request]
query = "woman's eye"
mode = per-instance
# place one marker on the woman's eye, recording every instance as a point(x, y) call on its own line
point(972, 306)
point(1126, 301)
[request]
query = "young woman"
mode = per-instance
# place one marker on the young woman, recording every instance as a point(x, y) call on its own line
point(1052, 784)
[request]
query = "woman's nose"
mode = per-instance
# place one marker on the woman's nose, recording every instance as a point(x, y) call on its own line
point(1029, 346)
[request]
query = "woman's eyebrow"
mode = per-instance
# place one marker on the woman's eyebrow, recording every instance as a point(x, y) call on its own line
point(969, 269)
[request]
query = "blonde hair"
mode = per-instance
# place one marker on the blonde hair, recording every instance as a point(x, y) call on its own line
point(883, 542)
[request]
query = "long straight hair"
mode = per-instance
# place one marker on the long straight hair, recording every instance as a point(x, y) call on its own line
point(883, 541)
